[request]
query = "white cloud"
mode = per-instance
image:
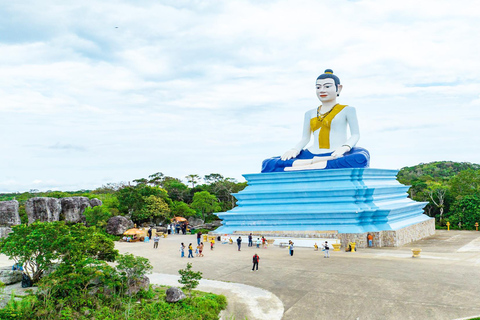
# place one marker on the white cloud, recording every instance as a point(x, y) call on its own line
point(112, 91)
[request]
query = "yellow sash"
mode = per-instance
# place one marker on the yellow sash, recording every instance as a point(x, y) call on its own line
point(324, 123)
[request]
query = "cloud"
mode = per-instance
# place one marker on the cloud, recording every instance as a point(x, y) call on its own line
point(116, 90)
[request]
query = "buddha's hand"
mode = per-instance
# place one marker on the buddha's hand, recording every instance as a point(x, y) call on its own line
point(339, 152)
point(292, 153)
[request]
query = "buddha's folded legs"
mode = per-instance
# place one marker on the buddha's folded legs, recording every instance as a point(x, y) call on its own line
point(355, 158)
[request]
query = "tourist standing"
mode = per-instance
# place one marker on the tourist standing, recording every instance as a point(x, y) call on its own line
point(258, 242)
point(239, 243)
point(182, 250)
point(190, 250)
point(370, 240)
point(256, 258)
point(199, 237)
point(200, 249)
point(326, 248)
point(156, 239)
point(250, 240)
point(149, 232)
point(290, 247)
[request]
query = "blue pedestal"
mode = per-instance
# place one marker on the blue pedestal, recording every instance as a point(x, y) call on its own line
point(340, 200)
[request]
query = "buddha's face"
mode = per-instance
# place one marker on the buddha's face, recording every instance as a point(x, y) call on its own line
point(326, 90)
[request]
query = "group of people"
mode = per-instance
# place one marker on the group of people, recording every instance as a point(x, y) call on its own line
point(198, 251)
point(177, 228)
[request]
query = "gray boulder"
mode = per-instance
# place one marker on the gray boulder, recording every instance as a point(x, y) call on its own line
point(73, 208)
point(4, 231)
point(43, 209)
point(118, 225)
point(9, 276)
point(136, 285)
point(9, 213)
point(217, 223)
point(95, 202)
point(174, 294)
point(195, 221)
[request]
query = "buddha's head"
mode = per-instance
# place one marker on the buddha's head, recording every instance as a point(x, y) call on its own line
point(328, 86)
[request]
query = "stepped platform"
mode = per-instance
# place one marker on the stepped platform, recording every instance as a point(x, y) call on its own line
point(344, 204)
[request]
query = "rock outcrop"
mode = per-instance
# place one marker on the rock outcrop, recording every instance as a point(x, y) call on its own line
point(138, 284)
point(43, 209)
point(73, 208)
point(118, 225)
point(4, 231)
point(174, 294)
point(9, 213)
point(95, 202)
point(192, 221)
point(9, 276)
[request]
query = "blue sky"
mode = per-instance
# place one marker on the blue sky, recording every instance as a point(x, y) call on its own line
point(112, 91)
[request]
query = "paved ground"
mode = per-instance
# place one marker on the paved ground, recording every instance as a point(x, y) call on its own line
point(384, 283)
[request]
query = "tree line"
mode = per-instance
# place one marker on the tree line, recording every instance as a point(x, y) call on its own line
point(452, 190)
point(154, 199)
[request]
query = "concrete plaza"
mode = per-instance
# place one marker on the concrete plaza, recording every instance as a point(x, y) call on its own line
point(385, 283)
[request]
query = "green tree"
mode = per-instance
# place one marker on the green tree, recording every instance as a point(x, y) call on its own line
point(97, 216)
point(193, 179)
point(41, 244)
point(205, 203)
point(176, 189)
point(181, 209)
point(155, 209)
point(466, 183)
point(133, 268)
point(467, 211)
point(189, 278)
point(132, 200)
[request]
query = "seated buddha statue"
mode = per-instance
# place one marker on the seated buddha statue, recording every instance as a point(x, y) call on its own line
point(331, 148)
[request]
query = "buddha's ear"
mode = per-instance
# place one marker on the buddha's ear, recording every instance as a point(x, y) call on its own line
point(339, 89)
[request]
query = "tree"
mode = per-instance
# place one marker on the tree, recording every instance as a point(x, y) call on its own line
point(97, 216)
point(176, 189)
point(156, 179)
point(41, 244)
point(437, 192)
point(205, 203)
point(466, 183)
point(189, 278)
point(133, 268)
point(213, 177)
point(155, 209)
point(193, 179)
point(467, 211)
point(181, 209)
point(132, 200)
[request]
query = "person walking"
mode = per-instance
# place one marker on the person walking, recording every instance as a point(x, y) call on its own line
point(290, 247)
point(239, 243)
point(250, 240)
point(326, 248)
point(264, 242)
point(190, 251)
point(256, 258)
point(200, 249)
point(182, 250)
point(258, 242)
point(156, 239)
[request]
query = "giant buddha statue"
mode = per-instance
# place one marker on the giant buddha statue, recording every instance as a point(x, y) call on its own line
point(331, 148)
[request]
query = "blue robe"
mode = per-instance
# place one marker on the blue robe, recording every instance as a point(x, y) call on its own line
point(356, 158)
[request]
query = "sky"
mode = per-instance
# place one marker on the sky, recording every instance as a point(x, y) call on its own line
point(98, 92)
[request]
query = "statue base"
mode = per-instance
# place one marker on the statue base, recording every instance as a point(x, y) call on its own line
point(344, 204)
